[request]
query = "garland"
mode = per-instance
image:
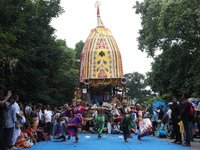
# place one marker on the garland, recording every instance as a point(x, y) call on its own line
point(113, 82)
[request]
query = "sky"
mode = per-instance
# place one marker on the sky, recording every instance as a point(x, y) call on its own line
point(119, 16)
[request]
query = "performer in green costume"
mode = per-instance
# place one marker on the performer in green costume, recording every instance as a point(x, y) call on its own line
point(100, 117)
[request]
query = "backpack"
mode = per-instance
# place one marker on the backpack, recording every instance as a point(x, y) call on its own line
point(191, 112)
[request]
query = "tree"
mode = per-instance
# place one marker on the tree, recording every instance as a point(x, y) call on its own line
point(78, 49)
point(168, 22)
point(169, 72)
point(137, 86)
point(41, 65)
point(173, 27)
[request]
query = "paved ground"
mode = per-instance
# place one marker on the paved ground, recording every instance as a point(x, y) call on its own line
point(194, 145)
point(112, 142)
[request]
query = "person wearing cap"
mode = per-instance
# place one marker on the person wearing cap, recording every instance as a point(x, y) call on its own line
point(169, 112)
point(161, 130)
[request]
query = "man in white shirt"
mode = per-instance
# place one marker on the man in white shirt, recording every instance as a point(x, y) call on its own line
point(169, 110)
point(47, 118)
point(40, 113)
point(16, 131)
point(116, 128)
point(170, 125)
point(28, 109)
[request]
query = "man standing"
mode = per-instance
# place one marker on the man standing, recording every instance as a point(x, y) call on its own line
point(28, 111)
point(161, 113)
point(16, 131)
point(176, 110)
point(39, 113)
point(184, 116)
point(3, 107)
point(10, 123)
point(47, 117)
point(169, 120)
point(154, 119)
point(100, 118)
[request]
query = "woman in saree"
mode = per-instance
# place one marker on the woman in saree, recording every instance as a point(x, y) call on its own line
point(139, 114)
point(72, 126)
point(22, 141)
point(29, 132)
point(35, 118)
point(143, 124)
point(127, 123)
point(62, 121)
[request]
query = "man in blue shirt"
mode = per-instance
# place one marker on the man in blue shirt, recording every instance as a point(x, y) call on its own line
point(154, 119)
point(4, 96)
point(9, 125)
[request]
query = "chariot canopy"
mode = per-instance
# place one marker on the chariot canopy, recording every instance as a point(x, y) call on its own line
point(100, 60)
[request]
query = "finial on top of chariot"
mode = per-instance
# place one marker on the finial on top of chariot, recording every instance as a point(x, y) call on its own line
point(97, 4)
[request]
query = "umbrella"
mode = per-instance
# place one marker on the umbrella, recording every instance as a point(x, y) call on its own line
point(158, 103)
point(195, 100)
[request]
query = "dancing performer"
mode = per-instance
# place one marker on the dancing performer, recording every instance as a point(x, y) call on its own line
point(100, 118)
point(127, 123)
point(62, 121)
point(72, 127)
point(143, 124)
point(139, 113)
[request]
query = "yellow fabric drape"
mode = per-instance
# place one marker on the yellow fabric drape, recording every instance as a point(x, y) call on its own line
point(181, 126)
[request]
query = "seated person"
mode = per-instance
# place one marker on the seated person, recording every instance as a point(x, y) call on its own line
point(116, 128)
point(42, 136)
point(29, 132)
point(22, 140)
point(161, 130)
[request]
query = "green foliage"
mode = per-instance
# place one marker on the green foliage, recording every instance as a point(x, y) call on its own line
point(33, 64)
point(168, 22)
point(78, 49)
point(137, 86)
point(171, 26)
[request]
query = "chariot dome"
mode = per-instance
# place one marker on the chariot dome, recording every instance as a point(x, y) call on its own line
point(100, 60)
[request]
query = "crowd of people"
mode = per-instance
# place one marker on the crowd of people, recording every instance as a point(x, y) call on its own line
point(24, 125)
